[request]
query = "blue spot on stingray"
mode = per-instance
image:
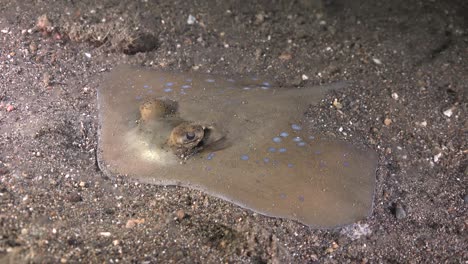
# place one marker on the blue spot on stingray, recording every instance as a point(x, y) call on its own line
point(138, 97)
point(146, 86)
point(300, 198)
point(246, 88)
point(311, 137)
point(290, 165)
point(266, 160)
point(318, 152)
point(168, 90)
point(283, 196)
point(188, 80)
point(284, 134)
point(231, 80)
point(282, 150)
point(271, 149)
point(208, 168)
point(266, 84)
point(169, 84)
point(297, 139)
point(301, 144)
point(265, 87)
point(244, 157)
point(210, 80)
point(277, 139)
point(210, 156)
point(254, 78)
point(346, 164)
point(150, 92)
point(296, 127)
point(186, 86)
point(322, 164)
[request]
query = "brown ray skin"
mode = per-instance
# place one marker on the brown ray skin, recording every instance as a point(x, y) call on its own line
point(324, 184)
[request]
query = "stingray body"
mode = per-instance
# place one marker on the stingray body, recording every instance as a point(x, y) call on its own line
point(269, 161)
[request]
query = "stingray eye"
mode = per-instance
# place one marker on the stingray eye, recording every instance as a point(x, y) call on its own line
point(190, 135)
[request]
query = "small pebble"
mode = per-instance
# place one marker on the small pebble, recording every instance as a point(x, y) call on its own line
point(377, 61)
point(395, 96)
point(10, 108)
point(105, 234)
point(191, 20)
point(437, 157)
point(448, 112)
point(387, 121)
point(335, 245)
point(400, 212)
point(465, 199)
point(46, 79)
point(259, 18)
point(332, 248)
point(421, 124)
point(131, 223)
point(258, 54)
point(285, 56)
point(305, 77)
point(33, 47)
point(180, 214)
point(337, 104)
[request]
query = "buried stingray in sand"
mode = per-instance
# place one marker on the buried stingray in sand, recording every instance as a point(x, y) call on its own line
point(242, 140)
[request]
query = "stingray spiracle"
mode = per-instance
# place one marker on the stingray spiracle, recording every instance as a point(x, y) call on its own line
point(157, 108)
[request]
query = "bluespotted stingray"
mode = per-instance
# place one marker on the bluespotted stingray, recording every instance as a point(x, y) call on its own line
point(242, 139)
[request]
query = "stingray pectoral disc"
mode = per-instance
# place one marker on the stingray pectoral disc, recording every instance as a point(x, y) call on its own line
point(260, 155)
